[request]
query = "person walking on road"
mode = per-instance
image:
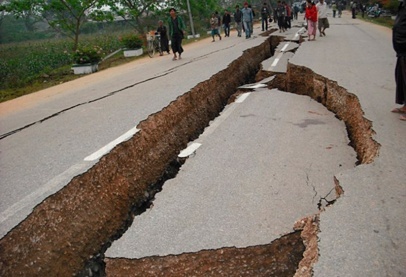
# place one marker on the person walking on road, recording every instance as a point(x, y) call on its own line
point(354, 9)
point(288, 16)
point(322, 17)
point(247, 18)
point(281, 13)
point(265, 14)
point(311, 17)
point(176, 32)
point(238, 20)
point(214, 26)
point(226, 23)
point(334, 8)
point(399, 45)
point(340, 8)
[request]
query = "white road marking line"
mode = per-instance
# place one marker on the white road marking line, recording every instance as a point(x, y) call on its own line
point(242, 97)
point(284, 47)
point(189, 150)
point(275, 62)
point(105, 149)
point(297, 33)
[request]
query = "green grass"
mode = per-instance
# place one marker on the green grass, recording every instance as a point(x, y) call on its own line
point(383, 21)
point(32, 66)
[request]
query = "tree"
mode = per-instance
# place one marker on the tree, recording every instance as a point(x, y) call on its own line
point(65, 16)
point(137, 12)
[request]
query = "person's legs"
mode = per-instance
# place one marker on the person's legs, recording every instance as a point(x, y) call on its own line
point(320, 24)
point(400, 79)
point(247, 29)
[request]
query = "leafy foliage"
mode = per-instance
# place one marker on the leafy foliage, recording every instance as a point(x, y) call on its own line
point(88, 54)
point(131, 41)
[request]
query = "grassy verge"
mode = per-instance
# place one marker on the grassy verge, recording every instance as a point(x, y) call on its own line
point(383, 21)
point(63, 74)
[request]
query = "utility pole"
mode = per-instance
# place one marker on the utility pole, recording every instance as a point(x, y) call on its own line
point(191, 19)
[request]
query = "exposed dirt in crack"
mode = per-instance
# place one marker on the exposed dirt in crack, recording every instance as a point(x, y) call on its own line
point(73, 226)
point(279, 258)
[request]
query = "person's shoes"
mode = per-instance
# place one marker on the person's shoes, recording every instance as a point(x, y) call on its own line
point(180, 57)
point(399, 110)
point(402, 117)
point(324, 34)
point(212, 40)
point(220, 37)
point(174, 58)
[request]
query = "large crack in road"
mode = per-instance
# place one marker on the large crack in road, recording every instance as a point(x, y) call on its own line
point(68, 232)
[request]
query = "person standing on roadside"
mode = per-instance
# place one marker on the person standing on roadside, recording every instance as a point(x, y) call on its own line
point(226, 23)
point(238, 20)
point(265, 14)
point(322, 17)
point(311, 17)
point(247, 18)
point(399, 45)
point(176, 32)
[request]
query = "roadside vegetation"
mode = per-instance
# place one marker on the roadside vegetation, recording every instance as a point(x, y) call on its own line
point(383, 21)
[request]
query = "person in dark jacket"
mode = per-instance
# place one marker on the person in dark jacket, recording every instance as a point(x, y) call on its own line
point(399, 45)
point(265, 14)
point(176, 32)
point(238, 20)
point(163, 36)
point(226, 23)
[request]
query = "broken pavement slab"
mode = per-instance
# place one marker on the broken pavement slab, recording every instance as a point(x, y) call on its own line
point(363, 233)
point(225, 200)
point(277, 63)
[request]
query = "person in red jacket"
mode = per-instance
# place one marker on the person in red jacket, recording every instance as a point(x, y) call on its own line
point(311, 17)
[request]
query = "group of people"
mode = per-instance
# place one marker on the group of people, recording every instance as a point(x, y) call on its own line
point(316, 14)
point(177, 29)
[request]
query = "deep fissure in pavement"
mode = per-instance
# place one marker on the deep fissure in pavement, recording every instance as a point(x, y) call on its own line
point(68, 232)
point(73, 226)
point(279, 258)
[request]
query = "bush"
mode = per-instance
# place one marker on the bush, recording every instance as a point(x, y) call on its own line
point(131, 41)
point(88, 55)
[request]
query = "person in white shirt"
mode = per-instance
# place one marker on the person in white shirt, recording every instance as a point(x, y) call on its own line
point(322, 17)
